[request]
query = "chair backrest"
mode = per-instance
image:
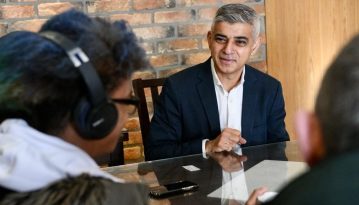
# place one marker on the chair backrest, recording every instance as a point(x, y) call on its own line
point(116, 157)
point(139, 86)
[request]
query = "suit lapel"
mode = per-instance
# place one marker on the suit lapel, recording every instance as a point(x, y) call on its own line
point(205, 89)
point(249, 101)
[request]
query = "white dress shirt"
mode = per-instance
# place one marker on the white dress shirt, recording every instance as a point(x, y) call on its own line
point(229, 104)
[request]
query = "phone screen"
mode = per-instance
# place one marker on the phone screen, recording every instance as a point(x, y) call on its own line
point(173, 188)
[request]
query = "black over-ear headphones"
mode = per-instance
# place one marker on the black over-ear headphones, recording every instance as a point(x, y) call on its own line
point(95, 115)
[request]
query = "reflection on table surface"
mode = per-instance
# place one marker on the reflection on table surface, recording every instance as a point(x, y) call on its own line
point(223, 178)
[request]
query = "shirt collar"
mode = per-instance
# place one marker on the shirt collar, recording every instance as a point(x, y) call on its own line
point(216, 79)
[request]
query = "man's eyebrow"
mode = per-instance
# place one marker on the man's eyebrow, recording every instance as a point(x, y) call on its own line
point(220, 35)
point(241, 38)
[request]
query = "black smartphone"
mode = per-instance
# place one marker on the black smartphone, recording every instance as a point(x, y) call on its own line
point(167, 190)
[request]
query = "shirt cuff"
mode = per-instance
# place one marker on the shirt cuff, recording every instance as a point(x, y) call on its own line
point(204, 148)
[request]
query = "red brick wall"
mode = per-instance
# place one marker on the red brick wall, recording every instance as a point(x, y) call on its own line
point(173, 34)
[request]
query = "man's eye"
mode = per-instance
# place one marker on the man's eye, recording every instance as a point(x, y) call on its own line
point(221, 40)
point(241, 43)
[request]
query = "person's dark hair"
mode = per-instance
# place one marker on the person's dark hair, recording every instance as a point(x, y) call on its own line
point(337, 104)
point(39, 83)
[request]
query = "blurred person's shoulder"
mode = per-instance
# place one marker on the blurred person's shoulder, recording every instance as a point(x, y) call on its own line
point(126, 193)
point(83, 189)
point(332, 181)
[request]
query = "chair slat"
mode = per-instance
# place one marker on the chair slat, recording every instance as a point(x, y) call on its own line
point(139, 86)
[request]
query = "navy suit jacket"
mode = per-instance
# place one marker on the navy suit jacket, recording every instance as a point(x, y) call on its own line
point(187, 112)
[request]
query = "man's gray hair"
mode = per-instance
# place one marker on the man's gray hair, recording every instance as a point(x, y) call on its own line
point(238, 13)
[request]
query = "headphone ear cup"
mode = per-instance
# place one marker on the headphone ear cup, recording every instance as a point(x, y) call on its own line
point(96, 117)
point(95, 122)
point(80, 114)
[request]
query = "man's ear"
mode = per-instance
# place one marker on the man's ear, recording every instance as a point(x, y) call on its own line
point(310, 137)
point(316, 140)
point(209, 38)
point(256, 45)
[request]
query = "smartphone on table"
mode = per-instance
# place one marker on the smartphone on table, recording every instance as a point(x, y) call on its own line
point(171, 189)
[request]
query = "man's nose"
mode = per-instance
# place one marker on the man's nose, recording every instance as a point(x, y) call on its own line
point(228, 47)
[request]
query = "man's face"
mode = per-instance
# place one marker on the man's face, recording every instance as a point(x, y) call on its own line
point(231, 46)
point(108, 143)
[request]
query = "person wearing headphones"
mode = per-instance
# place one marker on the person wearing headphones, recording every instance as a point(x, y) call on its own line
point(65, 95)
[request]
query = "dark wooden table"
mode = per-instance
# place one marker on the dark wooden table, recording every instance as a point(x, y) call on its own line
point(272, 165)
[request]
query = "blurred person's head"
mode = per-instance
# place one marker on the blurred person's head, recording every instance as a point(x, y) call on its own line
point(40, 83)
point(333, 128)
point(233, 38)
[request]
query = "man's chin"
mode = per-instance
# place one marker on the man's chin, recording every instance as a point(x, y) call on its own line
point(227, 70)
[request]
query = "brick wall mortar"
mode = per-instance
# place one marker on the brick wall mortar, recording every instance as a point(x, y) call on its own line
point(165, 44)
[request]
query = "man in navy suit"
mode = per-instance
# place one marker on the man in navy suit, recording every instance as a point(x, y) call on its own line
point(221, 103)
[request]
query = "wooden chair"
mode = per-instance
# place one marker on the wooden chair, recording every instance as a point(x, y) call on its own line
point(116, 157)
point(139, 86)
